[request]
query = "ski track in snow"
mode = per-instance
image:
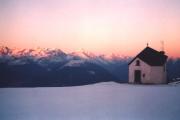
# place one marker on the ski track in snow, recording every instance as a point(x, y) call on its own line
point(103, 101)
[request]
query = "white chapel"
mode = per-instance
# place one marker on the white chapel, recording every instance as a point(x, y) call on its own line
point(148, 67)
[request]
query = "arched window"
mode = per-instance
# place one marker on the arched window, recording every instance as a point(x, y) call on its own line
point(137, 63)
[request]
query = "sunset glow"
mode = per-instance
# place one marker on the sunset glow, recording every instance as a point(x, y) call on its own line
point(122, 27)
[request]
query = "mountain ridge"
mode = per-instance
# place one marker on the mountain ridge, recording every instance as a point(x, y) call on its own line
point(53, 67)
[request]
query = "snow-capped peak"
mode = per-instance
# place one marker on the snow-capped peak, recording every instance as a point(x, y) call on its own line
point(83, 54)
point(37, 52)
point(5, 50)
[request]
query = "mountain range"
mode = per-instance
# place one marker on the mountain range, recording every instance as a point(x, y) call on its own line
point(53, 67)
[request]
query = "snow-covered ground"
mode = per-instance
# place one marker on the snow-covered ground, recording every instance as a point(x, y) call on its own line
point(103, 101)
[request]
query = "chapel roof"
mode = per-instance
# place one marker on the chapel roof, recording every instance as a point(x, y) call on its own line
point(151, 57)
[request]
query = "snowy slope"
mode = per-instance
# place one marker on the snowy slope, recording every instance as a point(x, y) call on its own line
point(74, 63)
point(104, 101)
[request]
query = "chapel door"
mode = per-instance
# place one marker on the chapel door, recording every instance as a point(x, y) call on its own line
point(137, 76)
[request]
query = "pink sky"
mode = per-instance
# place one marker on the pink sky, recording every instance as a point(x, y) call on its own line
point(101, 26)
